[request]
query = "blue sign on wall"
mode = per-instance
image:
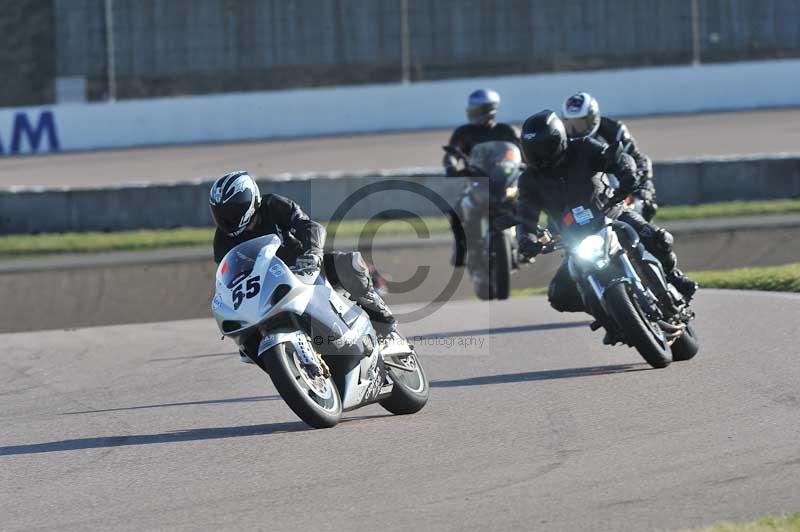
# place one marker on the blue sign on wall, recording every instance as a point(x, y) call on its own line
point(30, 137)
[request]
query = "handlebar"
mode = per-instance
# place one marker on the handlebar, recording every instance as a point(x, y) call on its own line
point(551, 248)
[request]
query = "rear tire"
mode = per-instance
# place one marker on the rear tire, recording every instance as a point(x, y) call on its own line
point(319, 409)
point(649, 341)
point(500, 266)
point(410, 391)
point(687, 346)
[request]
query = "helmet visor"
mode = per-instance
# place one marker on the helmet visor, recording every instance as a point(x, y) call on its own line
point(481, 113)
point(580, 127)
point(543, 153)
point(230, 217)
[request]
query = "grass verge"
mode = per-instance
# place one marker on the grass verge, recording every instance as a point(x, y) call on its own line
point(728, 208)
point(784, 278)
point(785, 523)
point(95, 242)
point(26, 245)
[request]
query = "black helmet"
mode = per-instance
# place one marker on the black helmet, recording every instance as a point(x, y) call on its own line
point(482, 106)
point(544, 140)
point(581, 114)
point(234, 200)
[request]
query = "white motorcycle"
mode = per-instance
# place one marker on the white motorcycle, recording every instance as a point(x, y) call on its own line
point(320, 351)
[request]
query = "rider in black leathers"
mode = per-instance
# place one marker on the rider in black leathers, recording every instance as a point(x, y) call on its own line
point(562, 173)
point(481, 111)
point(581, 116)
point(241, 214)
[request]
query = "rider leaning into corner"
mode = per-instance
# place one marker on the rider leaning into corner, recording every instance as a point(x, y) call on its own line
point(561, 174)
point(482, 108)
point(241, 214)
point(581, 117)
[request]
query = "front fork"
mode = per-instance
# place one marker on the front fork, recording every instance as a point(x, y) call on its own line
point(592, 286)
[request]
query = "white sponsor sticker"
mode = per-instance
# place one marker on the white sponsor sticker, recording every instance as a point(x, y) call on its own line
point(276, 270)
point(582, 216)
point(217, 302)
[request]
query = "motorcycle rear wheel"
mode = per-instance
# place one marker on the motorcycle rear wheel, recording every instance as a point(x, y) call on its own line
point(687, 346)
point(315, 401)
point(410, 390)
point(649, 341)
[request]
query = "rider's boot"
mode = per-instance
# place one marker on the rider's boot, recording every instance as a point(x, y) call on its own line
point(250, 345)
point(459, 242)
point(684, 284)
point(379, 314)
point(243, 357)
point(475, 262)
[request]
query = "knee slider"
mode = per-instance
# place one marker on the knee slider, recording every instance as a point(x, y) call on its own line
point(352, 272)
point(661, 239)
point(359, 264)
point(666, 239)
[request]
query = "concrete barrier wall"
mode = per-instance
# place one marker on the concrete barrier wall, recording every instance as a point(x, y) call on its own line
point(357, 109)
point(690, 182)
point(388, 194)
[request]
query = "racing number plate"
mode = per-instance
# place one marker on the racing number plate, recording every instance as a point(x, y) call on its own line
point(582, 216)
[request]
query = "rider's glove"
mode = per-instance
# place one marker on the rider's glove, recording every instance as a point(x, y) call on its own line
point(613, 201)
point(649, 209)
point(644, 193)
point(451, 171)
point(307, 263)
point(528, 249)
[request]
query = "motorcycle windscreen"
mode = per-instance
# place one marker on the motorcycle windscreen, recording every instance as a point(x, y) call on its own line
point(493, 155)
point(239, 262)
point(500, 162)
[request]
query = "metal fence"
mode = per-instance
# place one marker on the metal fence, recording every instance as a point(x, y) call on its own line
point(145, 48)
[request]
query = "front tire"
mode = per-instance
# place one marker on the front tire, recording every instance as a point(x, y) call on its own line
point(410, 390)
point(500, 266)
point(640, 332)
point(687, 346)
point(315, 401)
point(482, 281)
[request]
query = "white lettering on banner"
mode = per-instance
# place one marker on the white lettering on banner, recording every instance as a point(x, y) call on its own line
point(26, 133)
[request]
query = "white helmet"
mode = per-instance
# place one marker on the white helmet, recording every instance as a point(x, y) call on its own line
point(581, 115)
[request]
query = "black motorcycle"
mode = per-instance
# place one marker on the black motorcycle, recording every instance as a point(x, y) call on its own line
point(492, 171)
point(624, 286)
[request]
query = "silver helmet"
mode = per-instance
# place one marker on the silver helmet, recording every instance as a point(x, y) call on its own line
point(581, 115)
point(482, 106)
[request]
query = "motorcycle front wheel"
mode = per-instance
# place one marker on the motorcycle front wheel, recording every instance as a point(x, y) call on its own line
point(640, 332)
point(315, 399)
point(500, 266)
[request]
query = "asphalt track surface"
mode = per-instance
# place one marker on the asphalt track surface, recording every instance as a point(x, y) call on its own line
point(663, 138)
point(532, 425)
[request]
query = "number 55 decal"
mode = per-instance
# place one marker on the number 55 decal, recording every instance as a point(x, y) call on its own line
point(253, 288)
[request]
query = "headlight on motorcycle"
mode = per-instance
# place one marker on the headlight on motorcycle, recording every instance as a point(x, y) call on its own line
point(591, 249)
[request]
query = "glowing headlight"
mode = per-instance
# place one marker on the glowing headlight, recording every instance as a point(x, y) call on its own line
point(592, 248)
